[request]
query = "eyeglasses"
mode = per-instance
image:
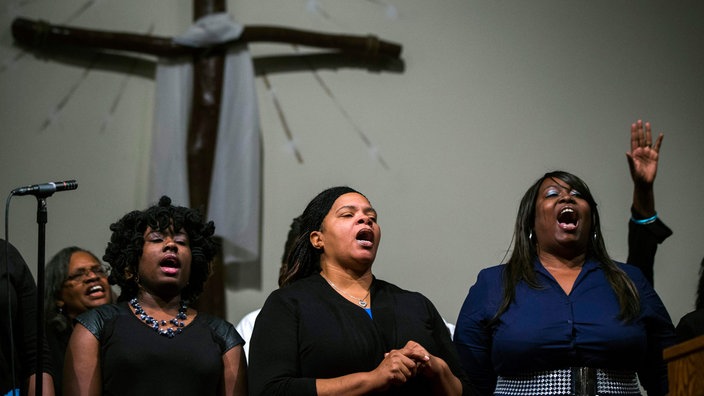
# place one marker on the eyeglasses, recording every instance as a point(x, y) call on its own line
point(98, 270)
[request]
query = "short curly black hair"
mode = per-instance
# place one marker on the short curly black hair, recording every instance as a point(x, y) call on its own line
point(127, 240)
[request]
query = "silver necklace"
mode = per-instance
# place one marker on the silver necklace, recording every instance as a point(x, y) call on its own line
point(360, 301)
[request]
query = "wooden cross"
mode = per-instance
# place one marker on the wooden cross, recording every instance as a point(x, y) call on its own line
point(208, 80)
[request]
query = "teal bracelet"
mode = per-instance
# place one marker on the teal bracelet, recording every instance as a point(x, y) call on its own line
point(645, 221)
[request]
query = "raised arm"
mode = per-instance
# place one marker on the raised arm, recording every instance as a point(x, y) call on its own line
point(643, 164)
point(645, 229)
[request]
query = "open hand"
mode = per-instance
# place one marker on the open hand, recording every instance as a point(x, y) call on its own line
point(643, 157)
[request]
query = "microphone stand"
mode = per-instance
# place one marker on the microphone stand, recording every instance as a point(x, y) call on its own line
point(41, 242)
point(41, 192)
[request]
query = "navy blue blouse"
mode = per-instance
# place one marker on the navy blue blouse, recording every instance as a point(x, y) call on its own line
point(547, 329)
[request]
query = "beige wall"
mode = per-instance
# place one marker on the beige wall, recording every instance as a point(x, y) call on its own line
point(493, 94)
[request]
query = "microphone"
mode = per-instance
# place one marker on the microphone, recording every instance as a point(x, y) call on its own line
point(46, 189)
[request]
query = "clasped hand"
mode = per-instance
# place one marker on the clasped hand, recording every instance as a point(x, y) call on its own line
point(400, 365)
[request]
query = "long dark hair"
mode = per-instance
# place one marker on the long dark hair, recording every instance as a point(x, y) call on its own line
point(520, 265)
point(294, 232)
point(303, 259)
point(127, 240)
point(56, 273)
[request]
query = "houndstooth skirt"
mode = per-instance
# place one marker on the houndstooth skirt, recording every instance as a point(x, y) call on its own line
point(575, 381)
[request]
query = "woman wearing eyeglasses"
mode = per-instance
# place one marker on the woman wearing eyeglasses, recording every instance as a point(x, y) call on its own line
point(76, 281)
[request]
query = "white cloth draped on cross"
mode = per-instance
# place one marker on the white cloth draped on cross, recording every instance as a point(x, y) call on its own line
point(235, 194)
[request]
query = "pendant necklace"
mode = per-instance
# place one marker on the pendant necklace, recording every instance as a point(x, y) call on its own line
point(360, 301)
point(177, 322)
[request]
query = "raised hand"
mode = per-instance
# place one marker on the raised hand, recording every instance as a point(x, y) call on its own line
point(643, 157)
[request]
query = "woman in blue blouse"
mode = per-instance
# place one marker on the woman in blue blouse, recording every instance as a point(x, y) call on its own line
point(560, 317)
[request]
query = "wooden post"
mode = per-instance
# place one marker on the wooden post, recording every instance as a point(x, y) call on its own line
point(685, 367)
point(208, 70)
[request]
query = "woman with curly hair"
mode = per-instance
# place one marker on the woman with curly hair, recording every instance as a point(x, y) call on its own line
point(152, 341)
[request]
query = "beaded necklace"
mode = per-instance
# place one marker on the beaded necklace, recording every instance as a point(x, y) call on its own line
point(177, 322)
